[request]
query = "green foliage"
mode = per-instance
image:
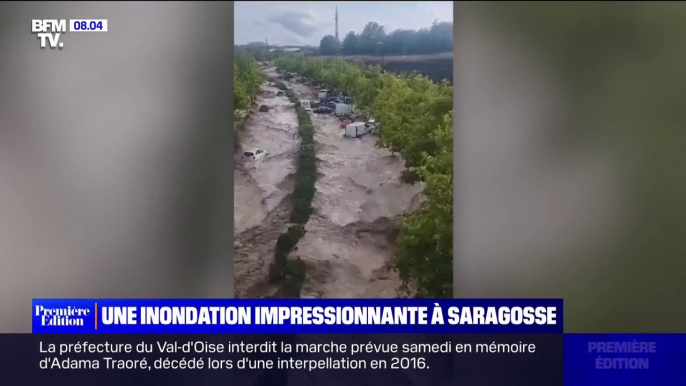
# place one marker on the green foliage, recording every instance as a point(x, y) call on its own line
point(349, 44)
point(287, 241)
point(247, 79)
point(410, 176)
point(276, 270)
point(296, 269)
point(425, 242)
point(373, 40)
point(410, 109)
point(415, 119)
point(291, 273)
point(295, 278)
point(306, 174)
point(259, 50)
point(302, 198)
point(279, 270)
point(329, 45)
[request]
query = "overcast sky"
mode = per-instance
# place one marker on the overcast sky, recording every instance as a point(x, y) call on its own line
point(305, 23)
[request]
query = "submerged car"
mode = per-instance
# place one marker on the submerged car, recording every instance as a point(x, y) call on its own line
point(254, 155)
point(323, 110)
point(306, 105)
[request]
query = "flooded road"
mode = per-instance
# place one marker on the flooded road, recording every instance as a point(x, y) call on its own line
point(349, 245)
point(350, 241)
point(260, 211)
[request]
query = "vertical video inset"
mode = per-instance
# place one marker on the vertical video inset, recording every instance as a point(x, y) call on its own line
point(343, 182)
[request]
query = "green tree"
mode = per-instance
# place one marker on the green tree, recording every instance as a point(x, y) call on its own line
point(240, 95)
point(410, 108)
point(247, 80)
point(329, 45)
point(441, 37)
point(349, 44)
point(371, 35)
point(369, 86)
point(248, 74)
point(425, 243)
point(350, 79)
point(397, 41)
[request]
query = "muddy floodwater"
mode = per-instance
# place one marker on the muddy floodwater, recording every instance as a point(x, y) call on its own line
point(349, 242)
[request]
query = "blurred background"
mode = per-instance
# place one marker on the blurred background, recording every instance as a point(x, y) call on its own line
point(115, 155)
point(571, 159)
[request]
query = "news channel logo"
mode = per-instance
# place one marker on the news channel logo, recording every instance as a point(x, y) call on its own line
point(50, 31)
point(622, 355)
point(70, 315)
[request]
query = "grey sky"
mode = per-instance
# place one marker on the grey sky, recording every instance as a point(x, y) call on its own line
point(305, 23)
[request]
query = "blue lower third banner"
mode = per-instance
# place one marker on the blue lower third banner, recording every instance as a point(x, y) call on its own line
point(624, 359)
point(257, 316)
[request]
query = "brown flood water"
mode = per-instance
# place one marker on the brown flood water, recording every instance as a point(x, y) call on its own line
point(349, 244)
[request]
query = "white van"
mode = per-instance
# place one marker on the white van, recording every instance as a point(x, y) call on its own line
point(306, 105)
point(356, 129)
point(322, 93)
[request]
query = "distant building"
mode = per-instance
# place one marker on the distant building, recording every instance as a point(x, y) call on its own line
point(287, 49)
point(297, 50)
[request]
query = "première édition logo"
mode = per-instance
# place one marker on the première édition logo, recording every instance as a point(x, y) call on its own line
point(62, 316)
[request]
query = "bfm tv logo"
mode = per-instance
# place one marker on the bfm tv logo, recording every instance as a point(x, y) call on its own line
point(63, 316)
point(49, 31)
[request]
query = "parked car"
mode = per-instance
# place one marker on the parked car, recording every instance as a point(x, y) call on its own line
point(323, 110)
point(264, 108)
point(254, 155)
point(371, 125)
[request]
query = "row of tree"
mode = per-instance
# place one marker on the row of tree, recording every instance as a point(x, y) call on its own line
point(373, 40)
point(247, 79)
point(415, 119)
point(259, 50)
